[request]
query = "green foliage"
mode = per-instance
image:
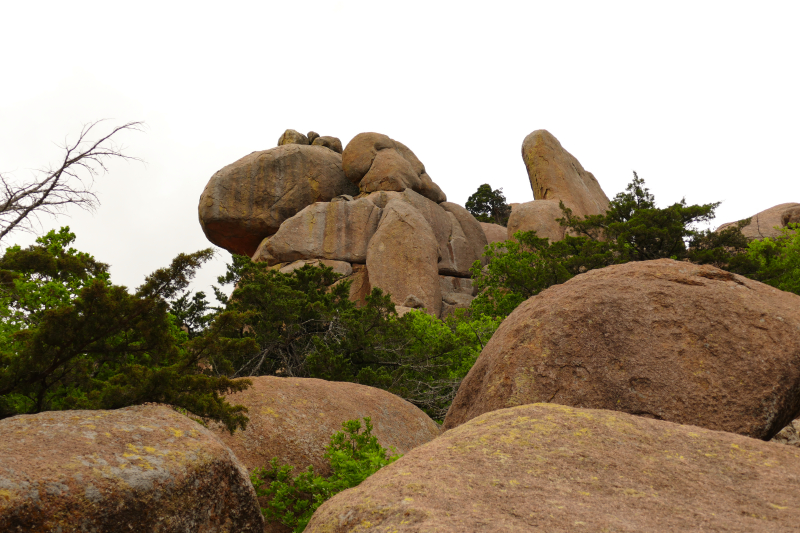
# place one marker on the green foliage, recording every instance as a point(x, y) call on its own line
point(69, 339)
point(632, 229)
point(776, 261)
point(489, 205)
point(303, 324)
point(353, 456)
point(192, 313)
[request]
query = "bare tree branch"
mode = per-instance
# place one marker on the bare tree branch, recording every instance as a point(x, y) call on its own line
point(52, 190)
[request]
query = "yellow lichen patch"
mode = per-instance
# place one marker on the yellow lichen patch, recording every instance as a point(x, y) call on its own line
point(6, 494)
point(634, 493)
point(584, 432)
point(149, 449)
point(89, 426)
point(269, 411)
point(513, 482)
point(132, 448)
point(777, 506)
point(127, 455)
point(176, 432)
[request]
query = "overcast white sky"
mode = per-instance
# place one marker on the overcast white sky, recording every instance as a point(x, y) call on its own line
point(700, 98)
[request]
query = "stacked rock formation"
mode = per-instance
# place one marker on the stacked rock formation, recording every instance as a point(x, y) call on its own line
point(372, 213)
point(555, 176)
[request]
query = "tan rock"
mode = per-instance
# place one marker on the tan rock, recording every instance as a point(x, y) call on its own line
point(311, 135)
point(359, 284)
point(329, 142)
point(338, 230)
point(342, 268)
point(539, 216)
point(494, 232)
point(144, 468)
point(457, 293)
point(666, 339)
point(377, 163)
point(546, 467)
point(248, 200)
point(402, 256)
point(789, 435)
point(293, 419)
point(555, 174)
point(768, 223)
point(293, 137)
point(473, 232)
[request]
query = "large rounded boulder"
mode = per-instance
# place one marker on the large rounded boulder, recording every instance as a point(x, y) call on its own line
point(145, 468)
point(770, 222)
point(248, 200)
point(663, 339)
point(547, 467)
point(376, 162)
point(293, 419)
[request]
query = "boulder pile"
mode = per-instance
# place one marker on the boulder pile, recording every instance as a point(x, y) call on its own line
point(665, 339)
point(372, 213)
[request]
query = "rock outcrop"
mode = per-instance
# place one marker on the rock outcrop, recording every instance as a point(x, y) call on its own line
point(768, 223)
point(666, 339)
point(249, 199)
point(375, 162)
point(555, 174)
point(145, 468)
point(789, 435)
point(539, 216)
point(494, 232)
point(547, 467)
point(402, 257)
point(293, 419)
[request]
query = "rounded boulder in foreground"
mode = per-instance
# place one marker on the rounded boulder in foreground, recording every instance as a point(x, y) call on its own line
point(663, 339)
point(248, 200)
point(145, 468)
point(546, 467)
point(293, 419)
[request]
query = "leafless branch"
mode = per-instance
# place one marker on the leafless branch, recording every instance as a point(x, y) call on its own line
point(51, 190)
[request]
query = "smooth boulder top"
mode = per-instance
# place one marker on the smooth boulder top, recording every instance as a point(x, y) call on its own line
point(376, 162)
point(546, 467)
point(144, 468)
point(293, 419)
point(249, 199)
point(540, 216)
point(555, 174)
point(494, 232)
point(770, 222)
point(666, 339)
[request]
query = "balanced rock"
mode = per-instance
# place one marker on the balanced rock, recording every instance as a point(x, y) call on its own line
point(665, 339)
point(402, 256)
point(293, 419)
point(294, 137)
point(144, 468)
point(248, 200)
point(540, 216)
point(494, 232)
point(377, 163)
point(770, 222)
point(555, 174)
point(547, 467)
point(329, 142)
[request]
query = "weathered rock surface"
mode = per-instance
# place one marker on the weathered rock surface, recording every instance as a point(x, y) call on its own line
point(789, 435)
point(248, 200)
point(294, 418)
point(402, 256)
point(555, 174)
point(329, 142)
point(546, 467)
point(377, 163)
point(667, 339)
point(539, 216)
point(294, 137)
point(473, 233)
point(457, 293)
point(768, 223)
point(494, 232)
point(339, 230)
point(360, 286)
point(144, 468)
point(342, 268)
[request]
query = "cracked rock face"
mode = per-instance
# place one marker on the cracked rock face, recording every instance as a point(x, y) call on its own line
point(144, 468)
point(546, 467)
point(770, 222)
point(664, 339)
point(248, 200)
